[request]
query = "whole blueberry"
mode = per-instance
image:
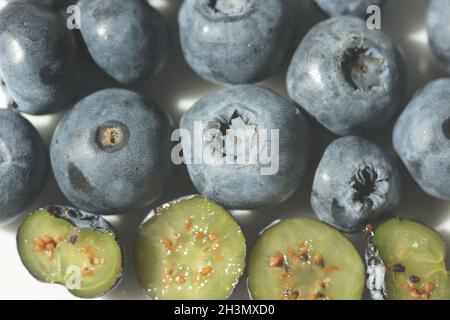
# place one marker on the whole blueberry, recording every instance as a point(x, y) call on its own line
point(357, 8)
point(129, 39)
point(438, 18)
point(60, 4)
point(39, 59)
point(236, 41)
point(356, 183)
point(422, 138)
point(111, 152)
point(23, 164)
point(349, 78)
point(247, 147)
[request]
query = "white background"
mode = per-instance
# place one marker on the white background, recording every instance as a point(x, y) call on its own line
point(175, 89)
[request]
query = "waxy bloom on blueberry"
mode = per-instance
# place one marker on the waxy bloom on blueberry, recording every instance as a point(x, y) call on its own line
point(356, 183)
point(236, 41)
point(347, 77)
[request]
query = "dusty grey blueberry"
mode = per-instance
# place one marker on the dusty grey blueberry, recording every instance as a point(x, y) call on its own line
point(422, 138)
point(356, 183)
point(129, 39)
point(39, 60)
point(249, 147)
point(23, 163)
point(349, 78)
point(236, 41)
point(438, 18)
point(357, 8)
point(111, 152)
point(60, 4)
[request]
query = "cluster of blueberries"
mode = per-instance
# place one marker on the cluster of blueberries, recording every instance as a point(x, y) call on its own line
point(112, 151)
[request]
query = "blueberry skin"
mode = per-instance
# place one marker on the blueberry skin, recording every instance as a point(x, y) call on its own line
point(23, 164)
point(242, 44)
point(356, 8)
point(349, 78)
point(422, 138)
point(241, 185)
point(438, 17)
point(356, 183)
point(59, 4)
point(39, 62)
point(111, 152)
point(129, 39)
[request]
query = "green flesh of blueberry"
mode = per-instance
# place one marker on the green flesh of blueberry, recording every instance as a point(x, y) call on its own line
point(190, 249)
point(88, 262)
point(297, 259)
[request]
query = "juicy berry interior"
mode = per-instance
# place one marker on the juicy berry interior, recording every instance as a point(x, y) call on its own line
point(303, 269)
point(363, 68)
point(295, 259)
point(229, 7)
point(190, 249)
point(88, 262)
point(415, 258)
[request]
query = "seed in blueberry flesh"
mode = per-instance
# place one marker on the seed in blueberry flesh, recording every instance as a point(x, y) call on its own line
point(236, 41)
point(357, 8)
point(356, 183)
point(76, 249)
point(422, 138)
point(349, 78)
point(190, 248)
point(256, 154)
point(415, 258)
point(277, 271)
point(129, 40)
point(438, 17)
point(111, 152)
point(23, 164)
point(40, 63)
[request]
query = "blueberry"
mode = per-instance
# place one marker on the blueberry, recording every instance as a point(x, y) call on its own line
point(23, 164)
point(39, 62)
point(204, 244)
point(60, 4)
point(56, 244)
point(298, 259)
point(129, 40)
point(422, 138)
point(357, 8)
point(236, 41)
point(406, 261)
point(439, 31)
point(356, 183)
point(111, 152)
point(254, 143)
point(351, 79)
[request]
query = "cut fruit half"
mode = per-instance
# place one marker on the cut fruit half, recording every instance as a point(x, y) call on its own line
point(191, 248)
point(73, 248)
point(304, 259)
point(412, 257)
